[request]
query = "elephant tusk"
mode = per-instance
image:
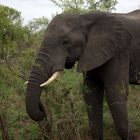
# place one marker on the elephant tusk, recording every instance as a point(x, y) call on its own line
point(50, 79)
point(26, 82)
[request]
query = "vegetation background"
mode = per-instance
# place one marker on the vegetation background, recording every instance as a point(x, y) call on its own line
point(67, 117)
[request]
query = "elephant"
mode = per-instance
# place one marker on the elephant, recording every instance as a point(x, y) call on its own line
point(106, 47)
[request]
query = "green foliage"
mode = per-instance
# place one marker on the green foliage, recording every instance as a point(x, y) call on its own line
point(16, 58)
point(10, 30)
point(36, 29)
point(79, 6)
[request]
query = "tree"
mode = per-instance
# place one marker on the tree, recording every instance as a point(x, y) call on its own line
point(37, 28)
point(16, 58)
point(11, 31)
point(13, 40)
point(78, 6)
point(38, 24)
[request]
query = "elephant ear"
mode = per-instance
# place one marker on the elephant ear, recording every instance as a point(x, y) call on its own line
point(106, 37)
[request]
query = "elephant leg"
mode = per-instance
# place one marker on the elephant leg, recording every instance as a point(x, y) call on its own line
point(93, 96)
point(116, 90)
point(117, 103)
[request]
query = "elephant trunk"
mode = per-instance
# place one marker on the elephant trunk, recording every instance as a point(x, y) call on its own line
point(40, 72)
point(34, 106)
point(45, 65)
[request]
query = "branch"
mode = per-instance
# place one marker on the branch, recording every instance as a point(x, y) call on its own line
point(11, 70)
point(3, 129)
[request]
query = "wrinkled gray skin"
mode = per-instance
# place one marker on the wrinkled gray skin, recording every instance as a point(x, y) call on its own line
point(107, 48)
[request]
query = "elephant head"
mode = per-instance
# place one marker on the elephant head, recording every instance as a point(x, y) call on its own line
point(86, 38)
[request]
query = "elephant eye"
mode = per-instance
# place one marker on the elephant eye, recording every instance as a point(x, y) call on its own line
point(65, 42)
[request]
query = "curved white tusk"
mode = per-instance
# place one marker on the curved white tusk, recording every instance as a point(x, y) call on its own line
point(50, 79)
point(26, 82)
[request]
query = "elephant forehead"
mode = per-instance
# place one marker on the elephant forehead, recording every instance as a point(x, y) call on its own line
point(58, 27)
point(66, 20)
point(56, 31)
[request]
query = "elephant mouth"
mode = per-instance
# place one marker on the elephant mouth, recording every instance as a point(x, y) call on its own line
point(69, 64)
